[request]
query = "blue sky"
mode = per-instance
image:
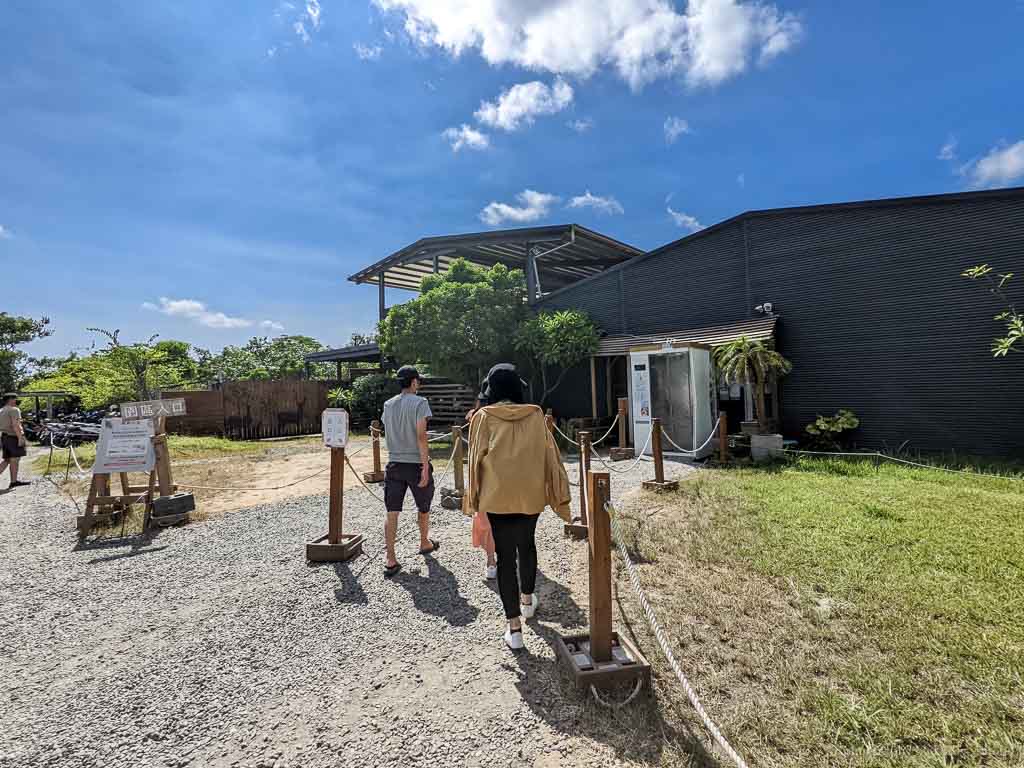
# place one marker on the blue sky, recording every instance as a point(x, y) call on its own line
point(213, 171)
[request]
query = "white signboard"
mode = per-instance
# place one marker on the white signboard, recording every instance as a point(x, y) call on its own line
point(150, 409)
point(124, 447)
point(334, 424)
point(641, 392)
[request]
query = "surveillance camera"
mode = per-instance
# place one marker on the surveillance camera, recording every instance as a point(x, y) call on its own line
point(767, 307)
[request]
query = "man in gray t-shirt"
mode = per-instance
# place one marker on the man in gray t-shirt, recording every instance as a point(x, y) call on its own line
point(405, 430)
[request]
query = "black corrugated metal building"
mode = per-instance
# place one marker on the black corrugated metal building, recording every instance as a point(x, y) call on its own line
point(869, 306)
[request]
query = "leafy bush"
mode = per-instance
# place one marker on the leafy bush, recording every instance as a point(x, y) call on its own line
point(556, 339)
point(826, 431)
point(364, 401)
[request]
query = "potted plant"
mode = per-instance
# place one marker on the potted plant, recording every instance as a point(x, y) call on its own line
point(751, 363)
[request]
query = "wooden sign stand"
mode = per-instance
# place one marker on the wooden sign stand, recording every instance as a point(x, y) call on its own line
point(578, 527)
point(103, 508)
point(659, 483)
point(601, 658)
point(336, 546)
point(377, 475)
point(623, 452)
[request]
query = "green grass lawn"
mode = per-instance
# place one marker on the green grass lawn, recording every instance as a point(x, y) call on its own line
point(838, 614)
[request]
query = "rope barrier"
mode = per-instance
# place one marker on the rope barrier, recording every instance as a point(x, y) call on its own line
point(695, 451)
point(569, 439)
point(620, 704)
point(631, 467)
point(605, 435)
point(876, 454)
point(652, 620)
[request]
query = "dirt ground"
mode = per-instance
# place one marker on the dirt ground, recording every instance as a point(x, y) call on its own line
point(301, 467)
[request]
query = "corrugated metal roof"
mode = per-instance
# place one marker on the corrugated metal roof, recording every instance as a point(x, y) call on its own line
point(759, 329)
point(355, 353)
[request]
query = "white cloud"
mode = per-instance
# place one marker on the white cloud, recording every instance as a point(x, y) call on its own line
point(1003, 165)
point(271, 325)
point(313, 13)
point(674, 128)
point(367, 52)
point(607, 205)
point(196, 310)
point(300, 30)
point(581, 126)
point(642, 40)
point(532, 206)
point(684, 220)
point(271, 51)
point(5, 234)
point(742, 180)
point(948, 150)
point(466, 137)
point(521, 104)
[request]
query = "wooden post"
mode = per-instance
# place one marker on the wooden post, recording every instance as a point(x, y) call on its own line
point(608, 383)
point(460, 485)
point(578, 527)
point(126, 490)
point(163, 465)
point(599, 490)
point(377, 475)
point(658, 483)
point(593, 387)
point(723, 438)
point(337, 546)
point(623, 451)
point(336, 503)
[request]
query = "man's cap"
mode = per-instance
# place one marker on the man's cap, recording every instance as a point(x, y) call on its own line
point(10, 396)
point(407, 374)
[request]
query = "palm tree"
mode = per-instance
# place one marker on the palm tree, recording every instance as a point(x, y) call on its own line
point(750, 362)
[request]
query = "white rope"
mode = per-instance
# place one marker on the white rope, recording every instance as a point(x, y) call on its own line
point(447, 469)
point(563, 433)
point(365, 486)
point(695, 450)
point(631, 467)
point(620, 704)
point(876, 454)
point(605, 435)
point(634, 579)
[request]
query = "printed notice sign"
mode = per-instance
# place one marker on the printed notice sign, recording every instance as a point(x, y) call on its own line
point(150, 409)
point(334, 424)
point(124, 447)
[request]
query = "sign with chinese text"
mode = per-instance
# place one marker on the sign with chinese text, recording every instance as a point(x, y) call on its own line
point(151, 409)
point(334, 424)
point(124, 447)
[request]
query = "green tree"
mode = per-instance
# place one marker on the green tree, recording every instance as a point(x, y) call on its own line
point(259, 358)
point(15, 331)
point(750, 362)
point(464, 320)
point(558, 340)
point(1013, 320)
point(141, 362)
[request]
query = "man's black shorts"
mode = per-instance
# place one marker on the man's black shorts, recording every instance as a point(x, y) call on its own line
point(12, 450)
point(399, 476)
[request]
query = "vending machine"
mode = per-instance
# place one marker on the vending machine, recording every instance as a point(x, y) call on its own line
point(673, 382)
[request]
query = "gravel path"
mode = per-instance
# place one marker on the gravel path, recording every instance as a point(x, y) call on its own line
point(216, 644)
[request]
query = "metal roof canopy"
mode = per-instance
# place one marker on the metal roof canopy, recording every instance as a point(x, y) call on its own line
point(357, 353)
point(562, 255)
point(757, 329)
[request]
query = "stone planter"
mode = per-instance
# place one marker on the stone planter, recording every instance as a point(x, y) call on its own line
point(765, 447)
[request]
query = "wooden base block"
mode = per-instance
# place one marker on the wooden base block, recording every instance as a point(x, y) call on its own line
point(577, 530)
point(373, 477)
point(622, 454)
point(320, 551)
point(627, 664)
point(164, 521)
point(666, 485)
point(86, 524)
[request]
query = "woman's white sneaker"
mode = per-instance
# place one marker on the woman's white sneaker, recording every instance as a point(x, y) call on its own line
point(492, 572)
point(514, 638)
point(529, 610)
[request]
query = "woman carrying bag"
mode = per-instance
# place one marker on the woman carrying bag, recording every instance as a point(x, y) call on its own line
point(515, 470)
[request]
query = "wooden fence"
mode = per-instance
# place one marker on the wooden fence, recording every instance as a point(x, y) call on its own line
point(253, 410)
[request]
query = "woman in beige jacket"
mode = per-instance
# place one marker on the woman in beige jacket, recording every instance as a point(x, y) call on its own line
point(515, 470)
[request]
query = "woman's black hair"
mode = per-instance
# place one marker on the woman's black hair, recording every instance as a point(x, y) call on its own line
point(504, 384)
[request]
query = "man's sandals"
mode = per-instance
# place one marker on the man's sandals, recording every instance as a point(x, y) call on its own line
point(434, 546)
point(391, 570)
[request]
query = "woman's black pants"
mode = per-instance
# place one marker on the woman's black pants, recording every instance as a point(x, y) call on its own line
point(513, 540)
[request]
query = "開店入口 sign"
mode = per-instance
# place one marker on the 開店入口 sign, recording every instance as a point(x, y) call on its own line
point(151, 409)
